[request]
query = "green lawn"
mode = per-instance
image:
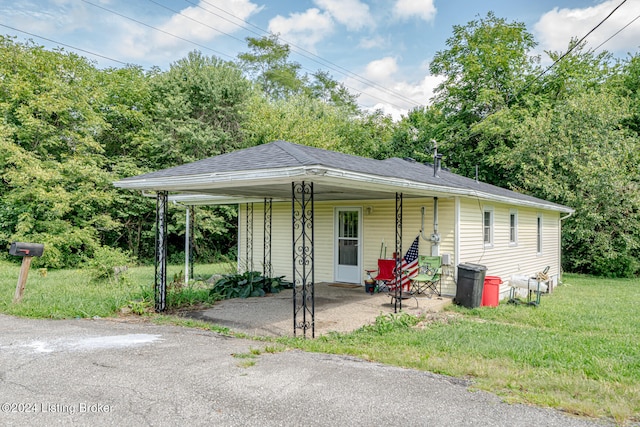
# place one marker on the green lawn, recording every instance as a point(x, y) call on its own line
point(578, 351)
point(74, 293)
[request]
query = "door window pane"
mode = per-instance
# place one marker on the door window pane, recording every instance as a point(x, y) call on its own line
point(348, 224)
point(348, 252)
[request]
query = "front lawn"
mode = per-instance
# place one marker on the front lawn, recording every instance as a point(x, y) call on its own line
point(60, 294)
point(578, 351)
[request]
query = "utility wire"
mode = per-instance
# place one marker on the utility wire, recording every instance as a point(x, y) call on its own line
point(575, 45)
point(617, 32)
point(206, 47)
point(66, 45)
point(158, 29)
point(307, 54)
point(112, 59)
point(196, 21)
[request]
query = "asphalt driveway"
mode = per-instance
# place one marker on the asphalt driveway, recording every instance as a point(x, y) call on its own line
point(106, 372)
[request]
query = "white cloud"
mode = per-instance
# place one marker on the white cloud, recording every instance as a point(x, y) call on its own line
point(390, 92)
point(60, 18)
point(555, 28)
point(303, 29)
point(423, 9)
point(376, 42)
point(202, 23)
point(97, 30)
point(351, 13)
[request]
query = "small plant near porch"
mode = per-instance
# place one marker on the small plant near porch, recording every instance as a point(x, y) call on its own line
point(247, 284)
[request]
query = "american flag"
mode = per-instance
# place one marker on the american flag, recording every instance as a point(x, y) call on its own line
point(410, 264)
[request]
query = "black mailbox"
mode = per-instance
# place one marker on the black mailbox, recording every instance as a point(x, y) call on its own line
point(26, 249)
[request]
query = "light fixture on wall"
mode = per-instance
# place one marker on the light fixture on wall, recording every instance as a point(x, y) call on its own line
point(368, 210)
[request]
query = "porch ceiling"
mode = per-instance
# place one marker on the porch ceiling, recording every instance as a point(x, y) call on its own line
point(326, 188)
point(322, 191)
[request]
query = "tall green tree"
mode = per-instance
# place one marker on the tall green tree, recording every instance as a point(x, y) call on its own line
point(325, 88)
point(486, 65)
point(313, 122)
point(267, 63)
point(197, 110)
point(53, 187)
point(578, 153)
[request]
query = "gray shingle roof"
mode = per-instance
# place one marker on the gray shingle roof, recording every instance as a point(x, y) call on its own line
point(282, 154)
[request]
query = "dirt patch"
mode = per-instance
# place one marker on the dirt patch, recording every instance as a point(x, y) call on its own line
point(440, 317)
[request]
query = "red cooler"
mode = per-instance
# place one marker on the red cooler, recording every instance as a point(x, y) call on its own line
point(491, 291)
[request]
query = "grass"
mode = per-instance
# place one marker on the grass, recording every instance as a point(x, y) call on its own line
point(579, 351)
point(60, 294)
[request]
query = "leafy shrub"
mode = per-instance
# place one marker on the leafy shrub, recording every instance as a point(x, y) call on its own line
point(248, 284)
point(108, 263)
point(389, 322)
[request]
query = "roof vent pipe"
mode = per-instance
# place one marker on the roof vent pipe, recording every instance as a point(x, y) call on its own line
point(435, 157)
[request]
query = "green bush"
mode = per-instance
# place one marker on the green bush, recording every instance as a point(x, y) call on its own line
point(248, 284)
point(108, 263)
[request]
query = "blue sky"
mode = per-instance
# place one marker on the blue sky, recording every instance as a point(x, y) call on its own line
point(380, 49)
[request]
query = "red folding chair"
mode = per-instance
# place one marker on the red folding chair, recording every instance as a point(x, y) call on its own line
point(386, 275)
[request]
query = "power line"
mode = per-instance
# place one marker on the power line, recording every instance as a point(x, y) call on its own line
point(66, 45)
point(195, 20)
point(574, 46)
point(309, 55)
point(158, 29)
point(617, 32)
point(203, 46)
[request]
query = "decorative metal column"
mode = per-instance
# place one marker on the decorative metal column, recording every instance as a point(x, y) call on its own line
point(192, 240)
point(302, 246)
point(249, 237)
point(397, 301)
point(266, 252)
point(161, 251)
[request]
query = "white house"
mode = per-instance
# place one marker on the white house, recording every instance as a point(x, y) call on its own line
point(314, 215)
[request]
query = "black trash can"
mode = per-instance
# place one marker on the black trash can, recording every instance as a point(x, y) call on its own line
point(470, 285)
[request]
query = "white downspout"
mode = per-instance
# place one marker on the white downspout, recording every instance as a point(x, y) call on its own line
point(560, 246)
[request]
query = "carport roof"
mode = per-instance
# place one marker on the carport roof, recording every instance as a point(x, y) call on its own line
point(267, 171)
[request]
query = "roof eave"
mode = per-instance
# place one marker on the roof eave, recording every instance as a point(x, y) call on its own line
point(318, 173)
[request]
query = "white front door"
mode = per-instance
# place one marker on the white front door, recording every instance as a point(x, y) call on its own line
point(348, 247)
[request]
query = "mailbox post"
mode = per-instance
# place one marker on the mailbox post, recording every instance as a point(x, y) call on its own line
point(27, 251)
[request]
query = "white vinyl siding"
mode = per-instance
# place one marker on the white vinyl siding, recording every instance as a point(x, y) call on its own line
point(504, 259)
point(378, 225)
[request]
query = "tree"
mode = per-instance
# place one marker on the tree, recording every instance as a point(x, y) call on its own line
point(312, 122)
point(325, 88)
point(197, 110)
point(268, 64)
point(578, 154)
point(486, 66)
point(53, 187)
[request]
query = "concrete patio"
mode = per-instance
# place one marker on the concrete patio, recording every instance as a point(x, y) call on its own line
point(338, 307)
